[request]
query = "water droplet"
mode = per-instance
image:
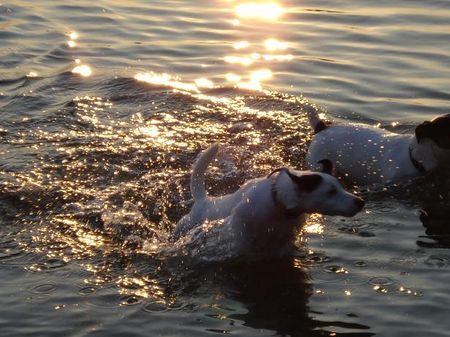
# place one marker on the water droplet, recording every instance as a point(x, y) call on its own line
point(381, 281)
point(131, 300)
point(360, 264)
point(335, 269)
point(317, 258)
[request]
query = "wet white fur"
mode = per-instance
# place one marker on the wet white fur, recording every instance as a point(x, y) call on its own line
point(365, 154)
point(258, 223)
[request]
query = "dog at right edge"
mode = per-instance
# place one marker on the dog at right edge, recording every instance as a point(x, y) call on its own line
point(265, 214)
point(365, 154)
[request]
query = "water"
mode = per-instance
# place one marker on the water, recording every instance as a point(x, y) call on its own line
point(104, 107)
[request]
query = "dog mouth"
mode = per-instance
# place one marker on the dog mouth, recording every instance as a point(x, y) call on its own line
point(358, 205)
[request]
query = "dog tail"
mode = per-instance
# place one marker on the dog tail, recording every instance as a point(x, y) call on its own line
point(198, 189)
point(316, 123)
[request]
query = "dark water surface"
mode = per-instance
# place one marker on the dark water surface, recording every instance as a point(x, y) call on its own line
point(104, 106)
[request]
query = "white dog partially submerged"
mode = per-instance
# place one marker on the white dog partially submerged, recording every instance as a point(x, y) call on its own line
point(366, 155)
point(265, 214)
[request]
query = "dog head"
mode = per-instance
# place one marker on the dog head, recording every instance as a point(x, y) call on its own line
point(437, 130)
point(432, 149)
point(315, 192)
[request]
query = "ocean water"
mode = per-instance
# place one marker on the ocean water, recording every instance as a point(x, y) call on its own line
point(104, 107)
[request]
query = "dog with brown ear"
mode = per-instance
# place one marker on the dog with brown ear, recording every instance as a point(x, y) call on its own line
point(365, 154)
point(265, 214)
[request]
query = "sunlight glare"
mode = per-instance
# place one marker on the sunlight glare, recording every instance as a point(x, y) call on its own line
point(32, 74)
point(274, 44)
point(230, 77)
point(261, 75)
point(241, 45)
point(204, 83)
point(268, 11)
point(242, 60)
point(73, 35)
point(166, 80)
point(278, 58)
point(83, 70)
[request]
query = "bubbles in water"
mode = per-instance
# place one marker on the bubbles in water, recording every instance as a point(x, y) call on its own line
point(361, 264)
point(154, 307)
point(381, 281)
point(131, 300)
point(86, 291)
point(44, 289)
point(439, 261)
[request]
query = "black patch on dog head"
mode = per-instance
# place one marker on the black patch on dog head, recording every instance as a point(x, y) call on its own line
point(307, 182)
point(320, 127)
point(437, 130)
point(327, 166)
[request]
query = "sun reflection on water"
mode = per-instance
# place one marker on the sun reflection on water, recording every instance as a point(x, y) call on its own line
point(258, 10)
point(166, 80)
point(273, 44)
point(241, 45)
point(83, 70)
point(259, 51)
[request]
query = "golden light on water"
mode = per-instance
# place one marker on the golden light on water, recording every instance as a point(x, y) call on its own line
point(273, 45)
point(166, 80)
point(261, 75)
point(314, 228)
point(241, 45)
point(314, 225)
point(151, 131)
point(235, 22)
point(242, 60)
point(230, 77)
point(204, 83)
point(73, 36)
point(256, 10)
point(83, 70)
point(256, 79)
point(32, 74)
point(279, 58)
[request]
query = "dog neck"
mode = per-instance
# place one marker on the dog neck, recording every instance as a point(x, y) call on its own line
point(423, 156)
point(290, 213)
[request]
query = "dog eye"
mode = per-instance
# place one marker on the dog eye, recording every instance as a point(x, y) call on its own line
point(332, 191)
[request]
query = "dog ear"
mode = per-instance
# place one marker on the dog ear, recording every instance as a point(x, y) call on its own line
point(327, 166)
point(423, 131)
point(441, 131)
point(277, 170)
point(307, 182)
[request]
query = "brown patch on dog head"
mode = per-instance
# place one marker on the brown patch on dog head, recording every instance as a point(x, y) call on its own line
point(423, 131)
point(320, 127)
point(307, 182)
point(327, 166)
point(438, 130)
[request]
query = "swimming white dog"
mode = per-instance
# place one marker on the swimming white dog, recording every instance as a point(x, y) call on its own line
point(365, 154)
point(265, 214)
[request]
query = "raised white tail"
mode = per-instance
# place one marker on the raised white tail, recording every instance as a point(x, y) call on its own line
point(198, 189)
point(314, 120)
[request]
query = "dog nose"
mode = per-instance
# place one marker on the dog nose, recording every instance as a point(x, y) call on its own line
point(360, 203)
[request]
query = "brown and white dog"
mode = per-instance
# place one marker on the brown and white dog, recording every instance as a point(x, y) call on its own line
point(264, 215)
point(365, 154)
